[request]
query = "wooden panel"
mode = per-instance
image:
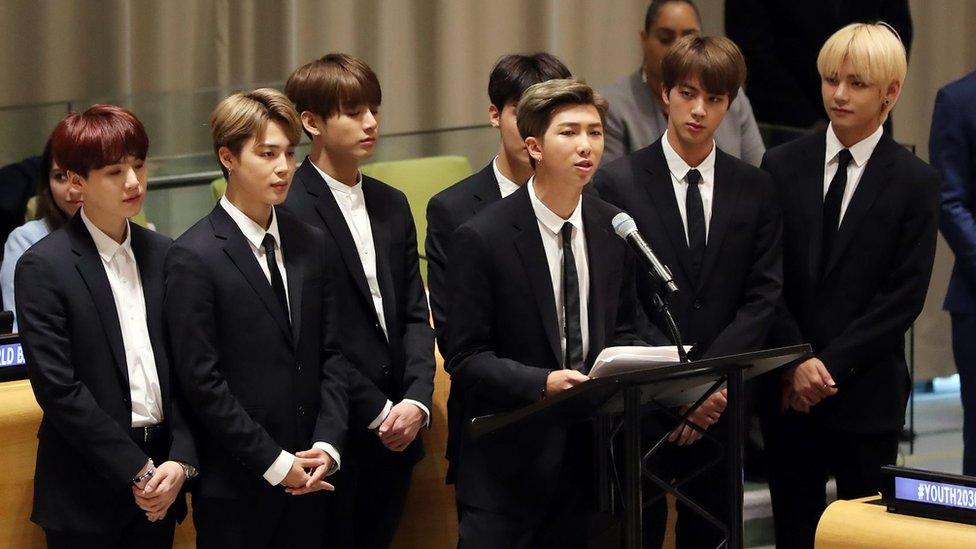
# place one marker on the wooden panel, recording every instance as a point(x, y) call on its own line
point(20, 417)
point(850, 524)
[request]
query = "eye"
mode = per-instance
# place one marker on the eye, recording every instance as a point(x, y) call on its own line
point(832, 80)
point(858, 84)
point(596, 133)
point(290, 154)
point(685, 93)
point(567, 132)
point(715, 99)
point(268, 154)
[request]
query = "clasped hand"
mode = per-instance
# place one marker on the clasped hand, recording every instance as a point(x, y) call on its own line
point(704, 416)
point(155, 495)
point(806, 386)
point(307, 471)
point(401, 426)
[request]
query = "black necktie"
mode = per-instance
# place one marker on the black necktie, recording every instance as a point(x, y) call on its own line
point(277, 284)
point(571, 303)
point(695, 211)
point(831, 207)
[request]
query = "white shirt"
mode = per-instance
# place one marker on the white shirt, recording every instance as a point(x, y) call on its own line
point(505, 185)
point(679, 179)
point(254, 234)
point(550, 227)
point(860, 154)
point(352, 204)
point(130, 305)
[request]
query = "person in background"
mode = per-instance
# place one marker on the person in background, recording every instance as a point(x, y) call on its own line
point(638, 115)
point(57, 202)
point(952, 150)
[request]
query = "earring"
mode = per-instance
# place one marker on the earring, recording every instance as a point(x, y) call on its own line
point(886, 101)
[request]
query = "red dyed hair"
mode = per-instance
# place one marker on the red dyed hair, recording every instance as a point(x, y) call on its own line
point(102, 135)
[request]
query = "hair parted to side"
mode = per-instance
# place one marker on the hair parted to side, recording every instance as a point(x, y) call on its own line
point(540, 102)
point(246, 114)
point(47, 209)
point(875, 51)
point(650, 16)
point(102, 135)
point(332, 82)
point(715, 60)
point(513, 74)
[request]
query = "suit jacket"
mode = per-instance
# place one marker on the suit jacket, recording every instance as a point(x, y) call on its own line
point(781, 40)
point(503, 341)
point(635, 120)
point(402, 367)
point(256, 383)
point(728, 310)
point(447, 211)
point(76, 362)
point(953, 153)
point(873, 285)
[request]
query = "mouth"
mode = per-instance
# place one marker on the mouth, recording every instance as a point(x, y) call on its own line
point(280, 186)
point(131, 200)
point(694, 126)
point(369, 141)
point(839, 110)
point(584, 165)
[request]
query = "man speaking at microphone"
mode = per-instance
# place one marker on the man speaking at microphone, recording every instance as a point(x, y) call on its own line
point(538, 286)
point(714, 221)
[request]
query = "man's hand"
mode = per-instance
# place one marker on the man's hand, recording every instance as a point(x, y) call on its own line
point(401, 426)
point(319, 462)
point(560, 380)
point(160, 491)
point(810, 382)
point(705, 416)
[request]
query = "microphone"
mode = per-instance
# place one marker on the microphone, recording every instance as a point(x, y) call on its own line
point(626, 228)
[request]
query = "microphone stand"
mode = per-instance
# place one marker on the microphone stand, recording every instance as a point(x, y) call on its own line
point(661, 304)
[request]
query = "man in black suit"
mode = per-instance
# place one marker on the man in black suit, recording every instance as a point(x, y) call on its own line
point(252, 326)
point(504, 175)
point(385, 325)
point(780, 41)
point(538, 286)
point(90, 304)
point(859, 231)
point(714, 220)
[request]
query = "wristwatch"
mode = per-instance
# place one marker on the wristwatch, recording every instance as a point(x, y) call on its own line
point(189, 471)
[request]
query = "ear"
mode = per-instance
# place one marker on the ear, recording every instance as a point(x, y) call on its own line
point(534, 146)
point(227, 158)
point(76, 181)
point(891, 95)
point(312, 123)
point(643, 36)
point(665, 93)
point(494, 116)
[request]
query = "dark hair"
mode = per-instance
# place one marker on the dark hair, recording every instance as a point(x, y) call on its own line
point(715, 60)
point(102, 135)
point(47, 209)
point(513, 74)
point(655, 7)
point(331, 82)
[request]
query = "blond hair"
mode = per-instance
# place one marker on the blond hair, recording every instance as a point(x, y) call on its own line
point(540, 101)
point(246, 114)
point(874, 50)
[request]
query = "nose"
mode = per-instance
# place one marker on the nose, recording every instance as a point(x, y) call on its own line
point(131, 179)
point(284, 165)
point(698, 108)
point(585, 145)
point(840, 93)
point(369, 120)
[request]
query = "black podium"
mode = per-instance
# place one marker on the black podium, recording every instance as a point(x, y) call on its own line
point(615, 404)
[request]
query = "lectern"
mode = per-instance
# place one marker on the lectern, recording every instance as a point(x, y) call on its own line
point(614, 403)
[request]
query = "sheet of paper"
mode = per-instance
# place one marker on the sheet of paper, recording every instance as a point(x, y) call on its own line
point(620, 360)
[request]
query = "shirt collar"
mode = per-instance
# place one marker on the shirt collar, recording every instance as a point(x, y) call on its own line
point(505, 185)
point(860, 151)
point(679, 168)
point(253, 232)
point(550, 219)
point(106, 246)
point(337, 185)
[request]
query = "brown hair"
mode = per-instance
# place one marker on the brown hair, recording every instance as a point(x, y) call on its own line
point(540, 101)
point(47, 209)
point(716, 60)
point(334, 81)
point(246, 114)
point(102, 135)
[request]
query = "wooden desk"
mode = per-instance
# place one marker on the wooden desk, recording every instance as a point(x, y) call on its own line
point(856, 523)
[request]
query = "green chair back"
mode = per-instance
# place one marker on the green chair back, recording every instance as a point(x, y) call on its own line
point(420, 179)
point(217, 189)
point(31, 213)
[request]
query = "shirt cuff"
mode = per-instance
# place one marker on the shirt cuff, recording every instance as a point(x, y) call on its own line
point(333, 453)
point(379, 419)
point(423, 409)
point(279, 469)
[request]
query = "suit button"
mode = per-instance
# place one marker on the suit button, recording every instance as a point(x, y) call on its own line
point(301, 410)
point(386, 370)
point(377, 326)
point(299, 366)
point(697, 305)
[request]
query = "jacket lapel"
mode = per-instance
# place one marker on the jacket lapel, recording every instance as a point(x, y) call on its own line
point(725, 199)
point(809, 188)
point(92, 270)
point(239, 252)
point(295, 269)
point(598, 237)
point(150, 264)
point(871, 184)
point(531, 252)
point(380, 227)
point(486, 190)
point(661, 191)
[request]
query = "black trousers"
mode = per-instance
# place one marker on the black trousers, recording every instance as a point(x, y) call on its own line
point(709, 489)
point(802, 455)
point(371, 490)
point(260, 522)
point(964, 352)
